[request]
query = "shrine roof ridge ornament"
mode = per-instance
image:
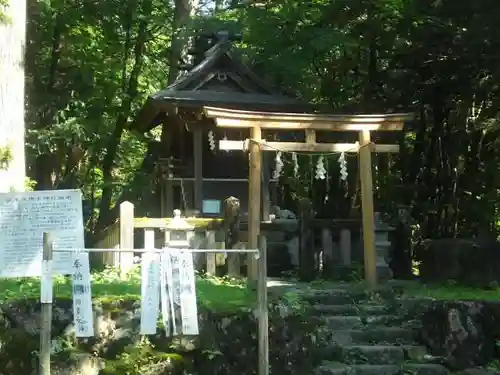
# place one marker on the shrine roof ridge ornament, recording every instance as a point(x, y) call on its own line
point(191, 91)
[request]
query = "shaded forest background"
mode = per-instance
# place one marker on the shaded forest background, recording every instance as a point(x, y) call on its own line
point(90, 65)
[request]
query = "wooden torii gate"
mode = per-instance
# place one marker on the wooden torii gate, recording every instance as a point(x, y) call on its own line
point(310, 123)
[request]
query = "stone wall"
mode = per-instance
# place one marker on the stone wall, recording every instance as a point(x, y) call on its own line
point(460, 334)
point(227, 343)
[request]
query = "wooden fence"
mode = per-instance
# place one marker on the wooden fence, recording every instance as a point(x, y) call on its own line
point(312, 234)
point(158, 232)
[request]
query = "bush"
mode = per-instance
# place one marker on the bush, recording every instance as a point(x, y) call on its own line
point(472, 262)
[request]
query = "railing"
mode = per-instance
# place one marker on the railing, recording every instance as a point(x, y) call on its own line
point(205, 233)
point(334, 248)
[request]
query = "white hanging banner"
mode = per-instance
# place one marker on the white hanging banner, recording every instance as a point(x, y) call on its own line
point(175, 289)
point(166, 294)
point(189, 309)
point(82, 296)
point(150, 292)
point(170, 292)
point(46, 282)
point(178, 293)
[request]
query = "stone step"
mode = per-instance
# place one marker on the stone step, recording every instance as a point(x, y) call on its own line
point(351, 322)
point(335, 368)
point(350, 309)
point(376, 335)
point(334, 297)
point(347, 294)
point(382, 354)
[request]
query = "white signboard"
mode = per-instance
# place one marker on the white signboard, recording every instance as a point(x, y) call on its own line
point(82, 296)
point(24, 217)
point(150, 292)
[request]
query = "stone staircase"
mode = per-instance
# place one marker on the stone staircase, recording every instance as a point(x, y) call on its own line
point(370, 338)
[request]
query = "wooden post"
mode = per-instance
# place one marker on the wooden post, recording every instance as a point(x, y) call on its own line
point(307, 267)
point(232, 234)
point(149, 238)
point(46, 317)
point(327, 252)
point(126, 259)
point(211, 257)
point(169, 197)
point(365, 173)
point(345, 246)
point(163, 201)
point(266, 196)
point(198, 169)
point(263, 308)
point(254, 198)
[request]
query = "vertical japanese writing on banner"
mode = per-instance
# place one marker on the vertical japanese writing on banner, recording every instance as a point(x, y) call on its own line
point(25, 216)
point(167, 303)
point(178, 293)
point(150, 292)
point(187, 294)
point(175, 287)
point(82, 296)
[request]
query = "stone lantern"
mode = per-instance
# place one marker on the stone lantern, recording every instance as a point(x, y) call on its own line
point(178, 232)
point(382, 246)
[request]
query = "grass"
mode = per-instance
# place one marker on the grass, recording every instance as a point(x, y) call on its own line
point(446, 292)
point(453, 292)
point(212, 292)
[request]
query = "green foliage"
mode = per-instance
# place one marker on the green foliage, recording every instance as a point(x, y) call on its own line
point(82, 90)
point(5, 157)
point(3, 17)
point(360, 56)
point(379, 56)
point(140, 358)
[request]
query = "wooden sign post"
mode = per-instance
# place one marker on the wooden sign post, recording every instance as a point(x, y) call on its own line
point(46, 301)
point(363, 124)
point(254, 199)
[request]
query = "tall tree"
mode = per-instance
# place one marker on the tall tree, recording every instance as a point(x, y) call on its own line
point(12, 129)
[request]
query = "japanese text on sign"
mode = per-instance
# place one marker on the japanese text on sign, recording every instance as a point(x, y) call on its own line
point(24, 217)
point(82, 297)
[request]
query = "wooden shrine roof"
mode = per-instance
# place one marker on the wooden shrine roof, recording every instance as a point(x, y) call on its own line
point(245, 90)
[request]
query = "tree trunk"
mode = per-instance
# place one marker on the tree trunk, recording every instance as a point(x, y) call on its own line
point(108, 164)
point(45, 163)
point(12, 43)
point(183, 12)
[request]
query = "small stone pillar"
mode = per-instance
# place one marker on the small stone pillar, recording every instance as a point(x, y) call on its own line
point(382, 246)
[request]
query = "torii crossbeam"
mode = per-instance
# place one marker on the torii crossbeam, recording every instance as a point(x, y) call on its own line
point(310, 123)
